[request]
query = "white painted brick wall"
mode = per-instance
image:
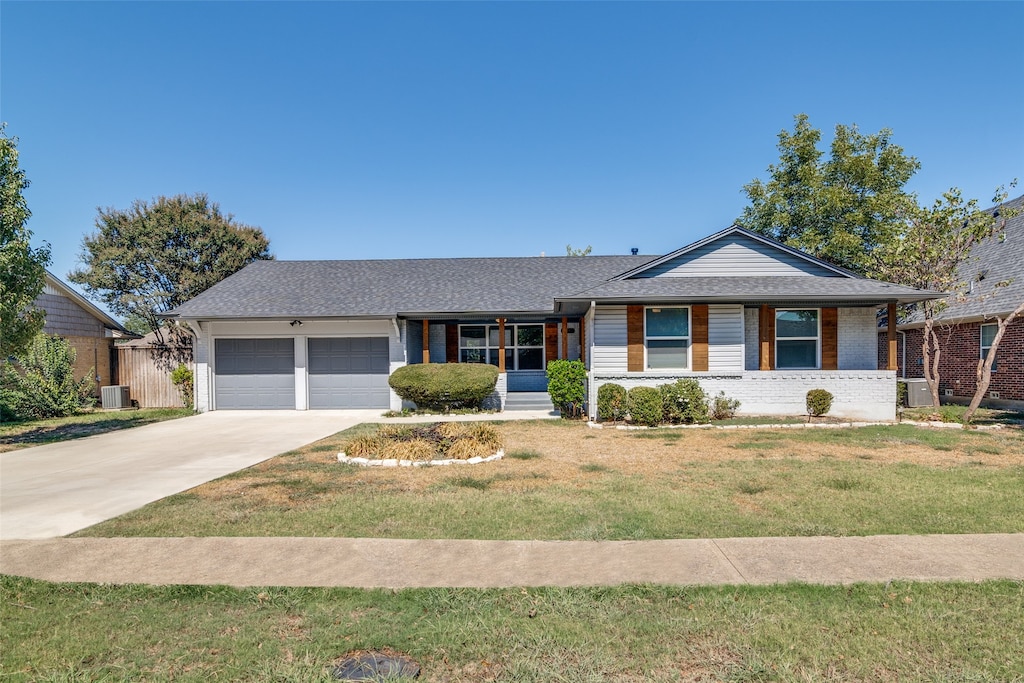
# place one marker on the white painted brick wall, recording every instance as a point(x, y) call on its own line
point(858, 394)
point(858, 339)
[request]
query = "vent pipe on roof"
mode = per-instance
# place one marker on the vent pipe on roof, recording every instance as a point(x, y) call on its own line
point(634, 251)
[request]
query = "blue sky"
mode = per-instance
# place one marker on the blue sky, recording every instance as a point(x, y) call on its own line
point(380, 130)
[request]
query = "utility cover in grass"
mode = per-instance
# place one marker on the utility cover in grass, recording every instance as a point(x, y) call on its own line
point(375, 665)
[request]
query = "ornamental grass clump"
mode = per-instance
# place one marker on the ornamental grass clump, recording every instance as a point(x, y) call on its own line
point(439, 441)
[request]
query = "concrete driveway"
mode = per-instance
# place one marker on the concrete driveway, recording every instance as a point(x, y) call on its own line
point(59, 488)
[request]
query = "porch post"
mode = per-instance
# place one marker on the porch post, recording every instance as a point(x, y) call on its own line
point(501, 345)
point(583, 340)
point(426, 341)
point(762, 333)
point(565, 338)
point(893, 362)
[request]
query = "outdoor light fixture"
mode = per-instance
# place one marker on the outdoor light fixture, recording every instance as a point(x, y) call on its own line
point(296, 323)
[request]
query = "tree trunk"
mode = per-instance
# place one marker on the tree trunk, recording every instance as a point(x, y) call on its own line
point(984, 371)
point(930, 353)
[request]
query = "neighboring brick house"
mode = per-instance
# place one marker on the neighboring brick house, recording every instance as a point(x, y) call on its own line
point(88, 330)
point(967, 325)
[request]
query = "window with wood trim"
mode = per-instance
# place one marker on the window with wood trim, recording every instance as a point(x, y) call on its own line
point(667, 337)
point(988, 335)
point(524, 345)
point(797, 338)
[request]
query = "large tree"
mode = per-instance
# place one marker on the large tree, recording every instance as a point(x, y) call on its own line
point(22, 268)
point(928, 251)
point(840, 208)
point(154, 256)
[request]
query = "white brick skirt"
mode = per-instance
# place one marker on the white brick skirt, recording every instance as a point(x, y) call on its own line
point(868, 395)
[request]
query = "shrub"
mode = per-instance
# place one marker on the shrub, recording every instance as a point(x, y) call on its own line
point(644, 405)
point(611, 402)
point(819, 402)
point(722, 407)
point(567, 385)
point(182, 378)
point(42, 383)
point(444, 386)
point(901, 394)
point(427, 442)
point(684, 402)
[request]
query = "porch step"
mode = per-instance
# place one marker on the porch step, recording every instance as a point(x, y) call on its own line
point(529, 400)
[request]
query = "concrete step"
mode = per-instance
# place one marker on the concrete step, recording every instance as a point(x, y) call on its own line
point(528, 400)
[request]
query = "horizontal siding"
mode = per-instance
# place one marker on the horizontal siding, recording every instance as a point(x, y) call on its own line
point(609, 348)
point(752, 342)
point(725, 338)
point(64, 317)
point(736, 255)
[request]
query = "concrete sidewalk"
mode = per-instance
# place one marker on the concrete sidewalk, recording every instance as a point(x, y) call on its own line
point(383, 563)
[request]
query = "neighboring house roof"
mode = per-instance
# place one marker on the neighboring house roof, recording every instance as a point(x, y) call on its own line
point(993, 261)
point(734, 265)
point(376, 288)
point(150, 340)
point(60, 288)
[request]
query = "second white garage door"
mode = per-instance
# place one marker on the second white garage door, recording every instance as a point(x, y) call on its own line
point(350, 372)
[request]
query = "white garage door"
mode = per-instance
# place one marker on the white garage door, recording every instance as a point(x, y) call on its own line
point(254, 374)
point(349, 373)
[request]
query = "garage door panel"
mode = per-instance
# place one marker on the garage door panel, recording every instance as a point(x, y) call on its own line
point(254, 374)
point(349, 373)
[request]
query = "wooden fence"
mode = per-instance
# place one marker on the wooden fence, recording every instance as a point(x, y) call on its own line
point(149, 381)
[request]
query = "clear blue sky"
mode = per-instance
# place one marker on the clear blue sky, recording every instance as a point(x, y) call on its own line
point(377, 130)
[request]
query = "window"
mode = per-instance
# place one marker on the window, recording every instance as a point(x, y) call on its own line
point(524, 345)
point(667, 337)
point(988, 333)
point(797, 335)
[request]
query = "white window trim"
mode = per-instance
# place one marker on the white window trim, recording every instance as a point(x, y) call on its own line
point(688, 338)
point(815, 339)
point(513, 347)
point(981, 343)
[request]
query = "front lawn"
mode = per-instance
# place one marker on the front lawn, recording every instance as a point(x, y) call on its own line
point(886, 633)
point(14, 435)
point(564, 481)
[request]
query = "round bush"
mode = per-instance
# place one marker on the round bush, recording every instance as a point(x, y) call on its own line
point(644, 405)
point(444, 386)
point(819, 402)
point(611, 402)
point(684, 402)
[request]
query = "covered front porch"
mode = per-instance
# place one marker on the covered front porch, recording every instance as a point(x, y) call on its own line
point(519, 346)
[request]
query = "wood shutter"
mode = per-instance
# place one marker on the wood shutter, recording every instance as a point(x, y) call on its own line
point(550, 342)
point(699, 336)
point(830, 338)
point(451, 343)
point(635, 338)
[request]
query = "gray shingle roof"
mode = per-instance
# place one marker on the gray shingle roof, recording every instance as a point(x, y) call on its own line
point(762, 289)
point(376, 288)
point(1000, 260)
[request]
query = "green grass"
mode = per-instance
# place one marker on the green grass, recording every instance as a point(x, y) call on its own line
point(898, 632)
point(23, 434)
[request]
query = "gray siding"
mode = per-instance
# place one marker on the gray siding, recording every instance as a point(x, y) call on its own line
point(750, 333)
point(735, 255)
point(725, 338)
point(609, 349)
point(66, 318)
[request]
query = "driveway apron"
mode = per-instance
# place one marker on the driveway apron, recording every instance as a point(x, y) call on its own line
point(59, 488)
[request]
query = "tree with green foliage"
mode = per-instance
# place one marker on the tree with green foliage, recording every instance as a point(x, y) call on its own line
point(571, 251)
point(840, 208)
point(41, 382)
point(157, 255)
point(927, 251)
point(22, 268)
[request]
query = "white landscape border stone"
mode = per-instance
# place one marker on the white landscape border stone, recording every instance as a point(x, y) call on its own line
point(367, 462)
point(805, 425)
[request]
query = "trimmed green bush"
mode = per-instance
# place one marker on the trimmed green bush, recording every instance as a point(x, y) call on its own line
point(42, 382)
point(182, 378)
point(567, 386)
point(444, 386)
point(644, 406)
point(611, 402)
point(819, 402)
point(722, 407)
point(684, 402)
